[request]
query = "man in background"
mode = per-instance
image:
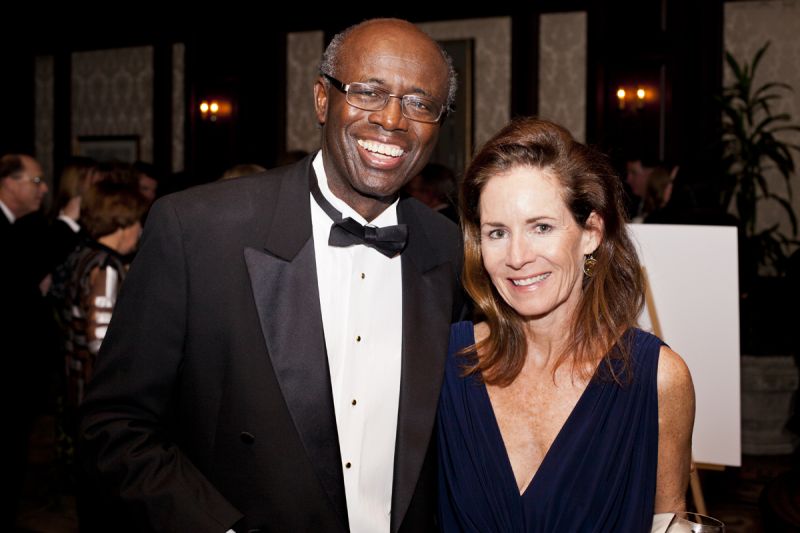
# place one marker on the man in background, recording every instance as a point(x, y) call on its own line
point(24, 319)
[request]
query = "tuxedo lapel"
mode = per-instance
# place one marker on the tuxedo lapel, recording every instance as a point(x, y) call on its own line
point(283, 277)
point(427, 308)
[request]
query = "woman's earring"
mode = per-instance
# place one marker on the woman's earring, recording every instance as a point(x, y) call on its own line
point(589, 262)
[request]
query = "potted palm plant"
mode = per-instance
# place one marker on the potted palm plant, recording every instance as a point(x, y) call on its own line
point(751, 151)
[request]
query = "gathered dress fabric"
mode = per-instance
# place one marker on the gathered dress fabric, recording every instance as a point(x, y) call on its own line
point(599, 475)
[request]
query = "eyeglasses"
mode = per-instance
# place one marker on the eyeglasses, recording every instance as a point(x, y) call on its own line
point(373, 98)
point(36, 180)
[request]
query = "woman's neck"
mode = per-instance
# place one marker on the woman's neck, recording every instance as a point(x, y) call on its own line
point(112, 240)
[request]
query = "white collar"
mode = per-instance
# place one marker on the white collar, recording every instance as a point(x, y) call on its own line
point(7, 212)
point(387, 218)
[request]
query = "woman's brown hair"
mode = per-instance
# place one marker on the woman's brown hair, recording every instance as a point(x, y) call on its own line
point(108, 206)
point(610, 299)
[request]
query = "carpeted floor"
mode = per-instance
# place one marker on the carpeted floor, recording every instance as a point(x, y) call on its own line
point(731, 495)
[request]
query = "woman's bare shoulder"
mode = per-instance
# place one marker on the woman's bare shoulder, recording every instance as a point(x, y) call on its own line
point(481, 331)
point(676, 404)
point(674, 378)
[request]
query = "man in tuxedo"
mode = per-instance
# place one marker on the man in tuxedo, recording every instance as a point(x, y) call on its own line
point(23, 316)
point(276, 353)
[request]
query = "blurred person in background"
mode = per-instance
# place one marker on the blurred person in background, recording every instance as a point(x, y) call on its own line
point(65, 229)
point(147, 180)
point(24, 318)
point(658, 192)
point(435, 187)
point(244, 169)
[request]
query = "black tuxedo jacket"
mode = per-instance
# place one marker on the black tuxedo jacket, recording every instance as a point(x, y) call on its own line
point(211, 402)
point(26, 324)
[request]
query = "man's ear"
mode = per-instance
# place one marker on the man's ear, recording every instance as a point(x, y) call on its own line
point(321, 100)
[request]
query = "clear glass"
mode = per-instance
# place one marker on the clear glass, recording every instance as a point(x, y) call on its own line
point(694, 523)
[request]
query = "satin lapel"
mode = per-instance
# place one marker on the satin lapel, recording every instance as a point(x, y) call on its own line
point(284, 283)
point(427, 302)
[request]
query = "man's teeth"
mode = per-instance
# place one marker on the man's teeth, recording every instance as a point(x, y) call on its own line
point(379, 148)
point(529, 281)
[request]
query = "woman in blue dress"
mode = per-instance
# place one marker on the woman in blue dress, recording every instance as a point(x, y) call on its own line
point(556, 413)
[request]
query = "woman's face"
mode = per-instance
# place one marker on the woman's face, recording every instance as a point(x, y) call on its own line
point(532, 247)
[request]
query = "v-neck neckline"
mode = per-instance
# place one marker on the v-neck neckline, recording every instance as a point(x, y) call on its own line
point(556, 442)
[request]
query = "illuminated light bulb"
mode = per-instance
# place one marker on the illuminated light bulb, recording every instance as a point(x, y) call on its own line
point(640, 94)
point(621, 94)
point(214, 107)
point(204, 107)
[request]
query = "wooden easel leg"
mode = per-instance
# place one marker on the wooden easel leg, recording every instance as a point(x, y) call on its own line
point(694, 477)
point(697, 490)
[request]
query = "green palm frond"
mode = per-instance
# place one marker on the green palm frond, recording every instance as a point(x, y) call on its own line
point(751, 148)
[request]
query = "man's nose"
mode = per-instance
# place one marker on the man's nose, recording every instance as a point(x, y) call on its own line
point(391, 116)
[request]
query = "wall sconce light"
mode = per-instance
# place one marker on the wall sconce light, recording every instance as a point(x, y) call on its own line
point(634, 99)
point(621, 94)
point(213, 109)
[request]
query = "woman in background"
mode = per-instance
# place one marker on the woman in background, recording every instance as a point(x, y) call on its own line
point(556, 413)
point(76, 178)
point(91, 276)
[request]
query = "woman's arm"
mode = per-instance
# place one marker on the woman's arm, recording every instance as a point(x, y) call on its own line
point(675, 423)
point(98, 304)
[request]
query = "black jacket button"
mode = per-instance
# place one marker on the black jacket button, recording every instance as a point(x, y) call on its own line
point(247, 438)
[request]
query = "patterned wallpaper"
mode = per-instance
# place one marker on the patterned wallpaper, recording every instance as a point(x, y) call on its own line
point(112, 94)
point(43, 116)
point(492, 86)
point(748, 25)
point(178, 106)
point(562, 70)
point(303, 53)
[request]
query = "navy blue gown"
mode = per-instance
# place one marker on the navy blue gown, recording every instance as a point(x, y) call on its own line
point(598, 476)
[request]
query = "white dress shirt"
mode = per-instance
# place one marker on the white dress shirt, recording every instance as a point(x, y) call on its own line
point(73, 225)
point(361, 302)
point(7, 212)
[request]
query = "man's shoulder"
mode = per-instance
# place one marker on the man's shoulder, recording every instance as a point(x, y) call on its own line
point(226, 191)
point(257, 193)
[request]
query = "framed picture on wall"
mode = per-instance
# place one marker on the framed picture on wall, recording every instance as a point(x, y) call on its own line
point(108, 148)
point(455, 136)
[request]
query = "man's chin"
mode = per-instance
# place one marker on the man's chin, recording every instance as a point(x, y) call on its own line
point(378, 187)
point(380, 196)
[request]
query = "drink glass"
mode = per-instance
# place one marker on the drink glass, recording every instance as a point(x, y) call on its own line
point(694, 523)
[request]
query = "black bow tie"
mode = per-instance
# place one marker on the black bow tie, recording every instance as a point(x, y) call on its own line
point(389, 240)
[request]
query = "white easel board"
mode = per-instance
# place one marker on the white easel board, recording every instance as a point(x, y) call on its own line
point(693, 274)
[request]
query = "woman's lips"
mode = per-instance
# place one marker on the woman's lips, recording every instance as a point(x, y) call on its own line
point(532, 280)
